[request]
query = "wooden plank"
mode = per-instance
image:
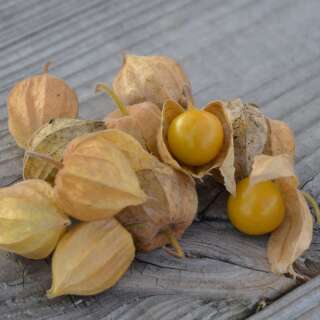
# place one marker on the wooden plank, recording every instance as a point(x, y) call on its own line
point(264, 51)
point(302, 303)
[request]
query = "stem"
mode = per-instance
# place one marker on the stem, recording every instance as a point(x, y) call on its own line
point(46, 158)
point(46, 67)
point(187, 92)
point(313, 203)
point(101, 87)
point(174, 243)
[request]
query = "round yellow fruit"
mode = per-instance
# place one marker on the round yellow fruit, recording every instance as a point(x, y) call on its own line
point(195, 137)
point(258, 209)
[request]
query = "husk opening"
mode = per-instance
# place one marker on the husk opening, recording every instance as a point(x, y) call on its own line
point(224, 162)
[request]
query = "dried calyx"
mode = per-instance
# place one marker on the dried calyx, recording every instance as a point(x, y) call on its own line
point(250, 135)
point(168, 212)
point(142, 120)
point(255, 134)
point(151, 78)
point(280, 139)
point(171, 197)
point(95, 180)
point(51, 140)
point(30, 221)
point(294, 235)
point(91, 258)
point(34, 101)
point(223, 163)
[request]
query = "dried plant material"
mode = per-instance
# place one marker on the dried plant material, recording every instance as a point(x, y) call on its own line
point(250, 135)
point(52, 139)
point(138, 157)
point(281, 139)
point(97, 180)
point(36, 100)
point(151, 78)
point(128, 125)
point(272, 167)
point(224, 162)
point(91, 258)
point(142, 121)
point(294, 235)
point(146, 117)
point(168, 212)
point(30, 222)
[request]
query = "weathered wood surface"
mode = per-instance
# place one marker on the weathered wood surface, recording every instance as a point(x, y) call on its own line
point(263, 51)
point(302, 303)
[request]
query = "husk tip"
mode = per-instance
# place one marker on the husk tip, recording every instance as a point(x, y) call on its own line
point(46, 66)
point(99, 87)
point(51, 294)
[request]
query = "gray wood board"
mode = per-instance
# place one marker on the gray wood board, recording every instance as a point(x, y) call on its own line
point(262, 51)
point(292, 306)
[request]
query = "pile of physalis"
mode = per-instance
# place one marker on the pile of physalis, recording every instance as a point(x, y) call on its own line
point(95, 192)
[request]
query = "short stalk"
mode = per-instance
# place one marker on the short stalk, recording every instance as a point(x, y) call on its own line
point(46, 158)
point(101, 87)
point(313, 203)
point(187, 93)
point(174, 243)
point(46, 67)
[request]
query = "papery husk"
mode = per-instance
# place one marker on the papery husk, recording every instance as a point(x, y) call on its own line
point(151, 78)
point(280, 140)
point(52, 139)
point(224, 162)
point(97, 180)
point(294, 235)
point(139, 158)
point(91, 258)
point(271, 168)
point(30, 222)
point(34, 101)
point(250, 135)
point(171, 207)
point(143, 123)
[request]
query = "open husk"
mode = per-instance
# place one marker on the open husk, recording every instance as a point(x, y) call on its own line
point(34, 101)
point(170, 208)
point(224, 162)
point(52, 139)
point(30, 222)
point(294, 235)
point(90, 258)
point(151, 78)
point(96, 180)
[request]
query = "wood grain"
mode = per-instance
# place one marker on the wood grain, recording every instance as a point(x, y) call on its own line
point(302, 303)
point(263, 51)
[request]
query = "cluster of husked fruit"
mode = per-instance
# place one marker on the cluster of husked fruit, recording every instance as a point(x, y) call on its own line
point(95, 192)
